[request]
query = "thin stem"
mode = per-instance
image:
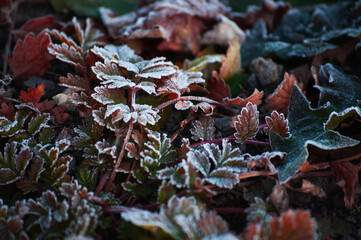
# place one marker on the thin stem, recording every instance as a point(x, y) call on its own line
point(230, 138)
point(102, 182)
point(120, 157)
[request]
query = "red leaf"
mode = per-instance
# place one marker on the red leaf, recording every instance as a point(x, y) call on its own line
point(33, 95)
point(280, 98)
point(278, 123)
point(217, 88)
point(292, 225)
point(253, 232)
point(37, 25)
point(346, 175)
point(255, 99)
point(59, 114)
point(7, 111)
point(30, 57)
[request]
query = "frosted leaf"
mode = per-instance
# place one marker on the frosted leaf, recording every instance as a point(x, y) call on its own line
point(203, 129)
point(149, 87)
point(111, 52)
point(155, 68)
point(246, 123)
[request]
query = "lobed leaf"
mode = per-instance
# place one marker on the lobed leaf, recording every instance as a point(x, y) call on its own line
point(223, 178)
point(255, 99)
point(37, 123)
point(278, 124)
point(203, 129)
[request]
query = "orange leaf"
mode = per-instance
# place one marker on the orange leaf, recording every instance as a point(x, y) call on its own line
point(292, 225)
point(280, 98)
point(33, 95)
point(346, 175)
point(255, 99)
point(30, 57)
point(278, 123)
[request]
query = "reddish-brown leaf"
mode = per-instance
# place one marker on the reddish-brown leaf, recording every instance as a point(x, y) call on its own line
point(278, 123)
point(33, 95)
point(310, 188)
point(246, 123)
point(37, 25)
point(217, 88)
point(255, 99)
point(292, 225)
point(346, 175)
point(280, 98)
point(7, 111)
point(59, 114)
point(30, 57)
point(253, 232)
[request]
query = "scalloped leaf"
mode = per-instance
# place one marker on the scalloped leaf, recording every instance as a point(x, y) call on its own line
point(306, 128)
point(246, 124)
point(37, 123)
point(223, 178)
point(112, 52)
point(74, 82)
point(33, 95)
point(278, 124)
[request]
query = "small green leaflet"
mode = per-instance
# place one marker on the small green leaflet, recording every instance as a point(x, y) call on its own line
point(342, 91)
point(306, 128)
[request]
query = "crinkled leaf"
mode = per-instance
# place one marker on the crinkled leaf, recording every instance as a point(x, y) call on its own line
point(306, 128)
point(112, 52)
point(255, 99)
point(30, 57)
point(74, 82)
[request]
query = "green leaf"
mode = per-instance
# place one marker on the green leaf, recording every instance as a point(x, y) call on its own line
point(23, 160)
point(306, 128)
point(165, 192)
point(304, 50)
point(37, 123)
point(342, 91)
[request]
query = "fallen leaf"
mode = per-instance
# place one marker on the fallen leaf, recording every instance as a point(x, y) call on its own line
point(346, 176)
point(255, 99)
point(231, 64)
point(279, 197)
point(280, 98)
point(30, 57)
point(278, 124)
point(33, 95)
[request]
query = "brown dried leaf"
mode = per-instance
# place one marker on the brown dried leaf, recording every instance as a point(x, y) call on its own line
point(278, 124)
point(255, 99)
point(308, 187)
point(178, 24)
point(279, 197)
point(280, 98)
point(246, 123)
point(30, 57)
point(217, 88)
point(346, 175)
point(292, 225)
point(231, 64)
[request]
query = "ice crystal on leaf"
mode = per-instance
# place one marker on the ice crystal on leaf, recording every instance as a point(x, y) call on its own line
point(246, 124)
point(181, 218)
point(278, 124)
point(203, 129)
point(227, 164)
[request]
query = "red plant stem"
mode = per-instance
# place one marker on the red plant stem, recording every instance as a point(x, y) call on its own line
point(131, 170)
point(192, 98)
point(102, 182)
point(231, 138)
point(263, 126)
point(230, 210)
point(122, 151)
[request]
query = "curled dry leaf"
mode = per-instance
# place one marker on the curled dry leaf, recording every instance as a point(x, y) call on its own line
point(217, 88)
point(246, 123)
point(279, 198)
point(292, 225)
point(231, 64)
point(278, 124)
point(30, 57)
point(280, 98)
point(346, 175)
point(178, 25)
point(255, 99)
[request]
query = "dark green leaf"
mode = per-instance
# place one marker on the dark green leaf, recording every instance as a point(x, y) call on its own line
point(7, 176)
point(37, 123)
